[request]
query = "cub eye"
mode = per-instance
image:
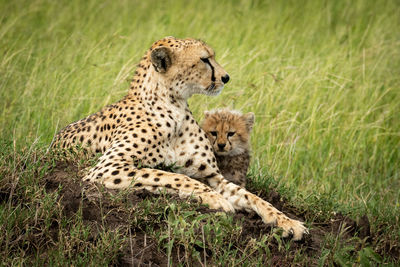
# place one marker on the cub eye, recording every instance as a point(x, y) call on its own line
point(231, 134)
point(213, 133)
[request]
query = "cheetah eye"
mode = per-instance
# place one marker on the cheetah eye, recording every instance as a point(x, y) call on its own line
point(205, 60)
point(231, 134)
point(213, 133)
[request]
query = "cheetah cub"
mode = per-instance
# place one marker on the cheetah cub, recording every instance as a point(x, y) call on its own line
point(229, 133)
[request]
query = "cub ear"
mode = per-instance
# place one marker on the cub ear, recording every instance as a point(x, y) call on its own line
point(249, 119)
point(161, 59)
point(206, 114)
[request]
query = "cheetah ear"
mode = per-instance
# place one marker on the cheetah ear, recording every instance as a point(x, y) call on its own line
point(161, 59)
point(249, 119)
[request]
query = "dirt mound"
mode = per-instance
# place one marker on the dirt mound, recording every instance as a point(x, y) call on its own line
point(101, 212)
point(109, 209)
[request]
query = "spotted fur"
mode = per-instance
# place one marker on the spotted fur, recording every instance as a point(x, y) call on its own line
point(153, 124)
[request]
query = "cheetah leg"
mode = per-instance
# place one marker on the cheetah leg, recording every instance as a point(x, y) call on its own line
point(242, 199)
point(156, 181)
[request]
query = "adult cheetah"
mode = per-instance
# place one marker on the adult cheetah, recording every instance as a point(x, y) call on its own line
point(152, 124)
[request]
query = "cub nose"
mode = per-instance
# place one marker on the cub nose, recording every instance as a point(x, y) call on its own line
point(221, 146)
point(225, 78)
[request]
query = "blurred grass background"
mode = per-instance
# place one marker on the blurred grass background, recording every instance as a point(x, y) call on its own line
point(322, 78)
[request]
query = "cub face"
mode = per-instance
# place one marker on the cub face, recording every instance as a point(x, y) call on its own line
point(228, 131)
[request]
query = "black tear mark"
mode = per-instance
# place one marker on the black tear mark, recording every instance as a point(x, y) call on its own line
point(207, 61)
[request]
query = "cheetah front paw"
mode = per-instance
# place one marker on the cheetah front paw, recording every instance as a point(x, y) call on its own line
point(292, 227)
point(270, 215)
point(216, 201)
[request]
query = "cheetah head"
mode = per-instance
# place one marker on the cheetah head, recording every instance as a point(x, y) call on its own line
point(187, 67)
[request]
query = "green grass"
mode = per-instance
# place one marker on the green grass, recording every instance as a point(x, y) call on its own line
point(322, 78)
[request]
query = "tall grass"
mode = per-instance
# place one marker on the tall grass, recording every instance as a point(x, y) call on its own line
point(322, 78)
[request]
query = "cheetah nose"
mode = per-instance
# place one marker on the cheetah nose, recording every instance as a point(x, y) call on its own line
point(221, 146)
point(225, 78)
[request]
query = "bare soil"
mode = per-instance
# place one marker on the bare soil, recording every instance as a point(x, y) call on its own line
point(100, 211)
